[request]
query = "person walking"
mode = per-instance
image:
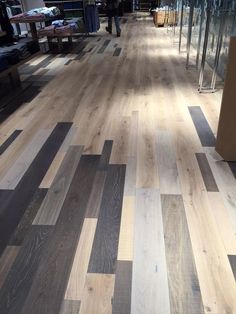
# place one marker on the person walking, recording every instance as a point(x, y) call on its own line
point(113, 11)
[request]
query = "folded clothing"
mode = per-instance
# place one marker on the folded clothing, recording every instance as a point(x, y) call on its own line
point(12, 56)
point(3, 63)
point(36, 15)
point(15, 52)
point(59, 23)
point(59, 28)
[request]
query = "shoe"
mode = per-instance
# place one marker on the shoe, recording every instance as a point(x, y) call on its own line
point(108, 30)
point(118, 34)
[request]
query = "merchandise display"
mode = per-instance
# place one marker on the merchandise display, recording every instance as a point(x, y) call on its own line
point(36, 15)
point(60, 28)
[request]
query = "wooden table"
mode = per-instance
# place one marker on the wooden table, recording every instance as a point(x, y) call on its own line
point(2, 34)
point(32, 23)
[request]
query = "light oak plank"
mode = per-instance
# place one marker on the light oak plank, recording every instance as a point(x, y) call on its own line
point(17, 171)
point(126, 238)
point(97, 295)
point(223, 221)
point(78, 273)
point(225, 182)
point(168, 173)
point(150, 292)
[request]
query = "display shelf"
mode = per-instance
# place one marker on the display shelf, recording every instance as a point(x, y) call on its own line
point(72, 7)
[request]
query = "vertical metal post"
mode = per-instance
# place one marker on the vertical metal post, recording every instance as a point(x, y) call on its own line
point(190, 26)
point(200, 33)
point(181, 25)
point(205, 44)
point(218, 48)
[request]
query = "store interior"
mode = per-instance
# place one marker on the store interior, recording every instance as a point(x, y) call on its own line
point(117, 157)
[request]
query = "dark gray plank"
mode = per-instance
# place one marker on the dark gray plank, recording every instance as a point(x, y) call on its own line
point(122, 295)
point(104, 46)
point(104, 252)
point(48, 289)
point(28, 217)
point(185, 295)
point(99, 182)
point(20, 277)
point(70, 307)
point(106, 154)
point(232, 166)
point(232, 260)
point(68, 62)
point(117, 52)
point(5, 196)
point(207, 174)
point(9, 141)
point(95, 198)
point(14, 209)
point(204, 131)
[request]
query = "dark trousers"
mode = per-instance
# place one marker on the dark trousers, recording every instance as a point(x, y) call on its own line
point(114, 13)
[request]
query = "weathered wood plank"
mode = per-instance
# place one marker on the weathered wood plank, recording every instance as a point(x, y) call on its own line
point(105, 246)
point(181, 269)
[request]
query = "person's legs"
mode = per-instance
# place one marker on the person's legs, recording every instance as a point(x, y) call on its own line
point(117, 22)
point(109, 27)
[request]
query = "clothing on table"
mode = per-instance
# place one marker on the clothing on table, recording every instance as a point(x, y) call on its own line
point(91, 17)
point(59, 27)
point(36, 15)
point(58, 23)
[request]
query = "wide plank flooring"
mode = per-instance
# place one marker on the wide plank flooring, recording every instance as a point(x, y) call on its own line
point(112, 198)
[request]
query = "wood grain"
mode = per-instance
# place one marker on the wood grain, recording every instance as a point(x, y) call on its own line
point(105, 246)
point(98, 292)
point(223, 221)
point(123, 284)
point(4, 146)
point(182, 274)
point(95, 199)
point(15, 208)
point(21, 275)
point(48, 289)
point(126, 238)
point(166, 161)
point(70, 307)
point(25, 223)
point(53, 202)
point(203, 129)
point(225, 182)
point(78, 273)
point(17, 171)
point(106, 154)
point(150, 292)
point(6, 261)
point(206, 172)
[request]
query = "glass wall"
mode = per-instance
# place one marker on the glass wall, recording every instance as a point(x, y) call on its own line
point(206, 28)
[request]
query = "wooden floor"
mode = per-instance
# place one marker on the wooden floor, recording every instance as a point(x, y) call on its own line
point(112, 198)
